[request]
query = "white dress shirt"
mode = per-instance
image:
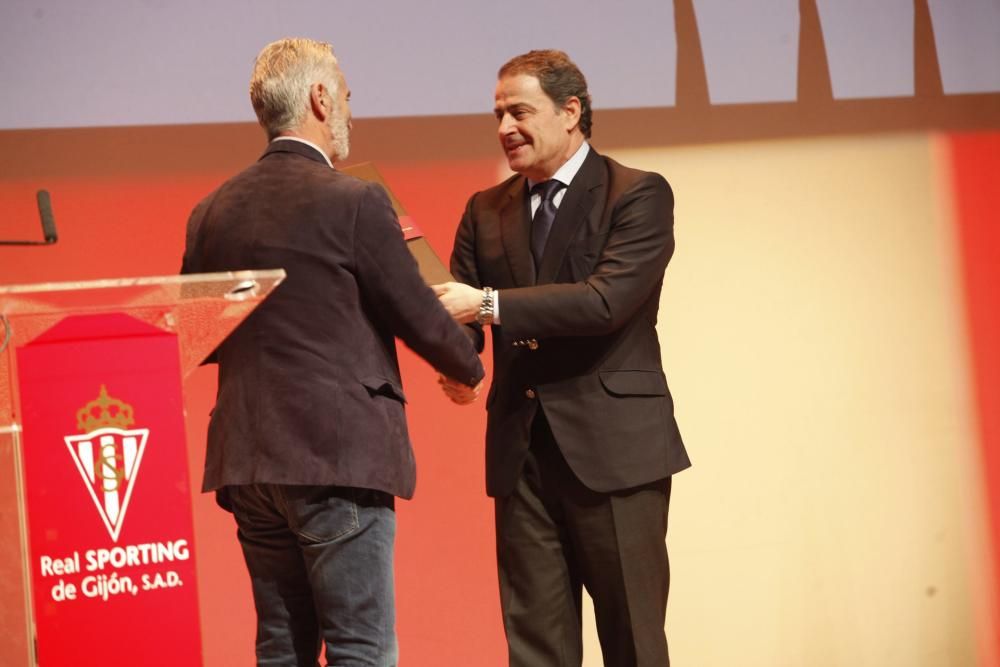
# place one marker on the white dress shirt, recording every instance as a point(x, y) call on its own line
point(565, 175)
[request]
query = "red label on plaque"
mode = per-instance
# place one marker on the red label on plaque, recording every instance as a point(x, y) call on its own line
point(410, 229)
point(108, 495)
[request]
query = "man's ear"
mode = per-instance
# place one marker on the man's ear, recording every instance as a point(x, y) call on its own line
point(571, 109)
point(318, 104)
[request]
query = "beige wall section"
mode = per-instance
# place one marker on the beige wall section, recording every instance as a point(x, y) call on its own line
point(812, 335)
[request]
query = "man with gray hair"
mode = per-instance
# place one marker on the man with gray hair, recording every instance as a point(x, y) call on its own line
point(307, 444)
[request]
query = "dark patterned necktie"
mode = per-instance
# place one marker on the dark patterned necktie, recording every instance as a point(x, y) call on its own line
point(541, 224)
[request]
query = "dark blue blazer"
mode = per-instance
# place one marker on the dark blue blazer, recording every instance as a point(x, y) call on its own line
point(309, 384)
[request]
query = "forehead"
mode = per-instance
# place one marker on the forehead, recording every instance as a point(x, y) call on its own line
point(520, 88)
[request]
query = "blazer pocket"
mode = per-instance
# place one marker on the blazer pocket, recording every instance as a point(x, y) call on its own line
point(634, 383)
point(380, 386)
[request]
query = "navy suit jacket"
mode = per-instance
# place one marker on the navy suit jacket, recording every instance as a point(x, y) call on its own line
point(309, 384)
point(577, 337)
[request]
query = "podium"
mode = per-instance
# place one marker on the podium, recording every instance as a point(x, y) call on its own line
point(96, 536)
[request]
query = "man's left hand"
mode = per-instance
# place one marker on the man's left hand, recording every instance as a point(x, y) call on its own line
point(460, 300)
point(458, 392)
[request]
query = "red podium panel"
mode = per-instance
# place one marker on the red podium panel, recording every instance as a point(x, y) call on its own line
point(108, 496)
point(97, 560)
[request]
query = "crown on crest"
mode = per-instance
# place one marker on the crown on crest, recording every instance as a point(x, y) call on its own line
point(104, 411)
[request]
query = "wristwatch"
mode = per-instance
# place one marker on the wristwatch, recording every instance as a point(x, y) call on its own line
point(485, 314)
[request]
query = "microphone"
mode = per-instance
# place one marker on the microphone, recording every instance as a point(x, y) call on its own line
point(45, 213)
point(48, 222)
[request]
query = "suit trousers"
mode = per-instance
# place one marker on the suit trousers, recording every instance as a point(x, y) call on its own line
point(556, 536)
point(320, 561)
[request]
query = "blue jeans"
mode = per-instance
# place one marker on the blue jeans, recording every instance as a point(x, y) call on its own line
point(320, 561)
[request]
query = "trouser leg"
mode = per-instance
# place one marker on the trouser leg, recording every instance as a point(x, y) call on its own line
point(554, 533)
point(338, 585)
point(287, 629)
point(540, 590)
point(620, 543)
point(348, 550)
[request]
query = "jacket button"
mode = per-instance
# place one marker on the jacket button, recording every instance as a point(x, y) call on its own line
point(532, 344)
point(530, 393)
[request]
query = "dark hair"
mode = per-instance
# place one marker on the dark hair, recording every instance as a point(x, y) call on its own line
point(559, 77)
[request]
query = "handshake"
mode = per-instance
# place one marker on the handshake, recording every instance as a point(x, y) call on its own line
point(462, 302)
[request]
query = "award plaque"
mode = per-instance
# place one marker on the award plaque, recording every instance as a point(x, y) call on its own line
point(432, 269)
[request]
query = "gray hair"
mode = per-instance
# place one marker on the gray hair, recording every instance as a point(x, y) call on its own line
point(282, 76)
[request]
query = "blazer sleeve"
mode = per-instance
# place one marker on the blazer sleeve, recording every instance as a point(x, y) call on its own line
point(190, 262)
point(463, 266)
point(388, 277)
point(640, 244)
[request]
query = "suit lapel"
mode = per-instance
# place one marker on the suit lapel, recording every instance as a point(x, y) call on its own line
point(574, 210)
point(515, 229)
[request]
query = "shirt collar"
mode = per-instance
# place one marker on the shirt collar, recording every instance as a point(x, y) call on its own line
point(567, 172)
point(307, 143)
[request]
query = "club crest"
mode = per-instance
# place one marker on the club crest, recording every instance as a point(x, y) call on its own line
point(108, 456)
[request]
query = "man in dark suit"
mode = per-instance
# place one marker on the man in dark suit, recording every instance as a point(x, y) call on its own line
point(565, 260)
point(308, 444)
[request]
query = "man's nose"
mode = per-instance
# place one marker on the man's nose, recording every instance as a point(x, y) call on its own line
point(506, 125)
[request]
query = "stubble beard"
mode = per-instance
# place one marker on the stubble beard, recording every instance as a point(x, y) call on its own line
point(341, 132)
